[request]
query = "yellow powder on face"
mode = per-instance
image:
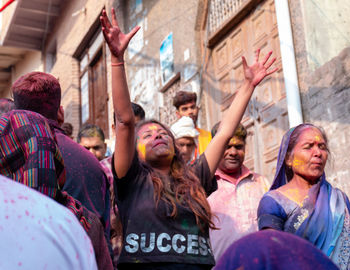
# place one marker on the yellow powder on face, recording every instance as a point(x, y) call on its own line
point(233, 141)
point(297, 163)
point(142, 150)
point(317, 138)
point(153, 127)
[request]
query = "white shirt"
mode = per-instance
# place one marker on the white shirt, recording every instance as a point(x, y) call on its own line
point(38, 233)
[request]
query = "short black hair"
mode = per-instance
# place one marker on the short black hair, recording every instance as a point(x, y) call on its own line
point(90, 131)
point(138, 110)
point(240, 131)
point(6, 105)
point(67, 128)
point(184, 97)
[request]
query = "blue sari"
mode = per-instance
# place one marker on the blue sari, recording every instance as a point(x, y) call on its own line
point(327, 209)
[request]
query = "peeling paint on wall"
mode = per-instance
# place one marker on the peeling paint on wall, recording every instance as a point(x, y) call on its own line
point(144, 89)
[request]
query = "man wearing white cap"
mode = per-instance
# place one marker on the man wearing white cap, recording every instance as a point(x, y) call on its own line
point(186, 138)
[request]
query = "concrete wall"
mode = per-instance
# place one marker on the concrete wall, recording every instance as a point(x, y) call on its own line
point(323, 64)
point(31, 62)
point(157, 20)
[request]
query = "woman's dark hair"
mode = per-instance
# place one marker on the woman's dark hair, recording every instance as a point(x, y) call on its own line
point(294, 137)
point(185, 187)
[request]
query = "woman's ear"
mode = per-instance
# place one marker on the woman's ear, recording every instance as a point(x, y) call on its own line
point(289, 161)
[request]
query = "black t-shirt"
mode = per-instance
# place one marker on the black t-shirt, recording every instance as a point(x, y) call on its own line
point(149, 233)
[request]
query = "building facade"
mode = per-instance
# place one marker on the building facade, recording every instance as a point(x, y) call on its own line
point(195, 45)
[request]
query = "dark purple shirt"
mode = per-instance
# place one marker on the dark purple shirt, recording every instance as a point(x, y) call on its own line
point(85, 179)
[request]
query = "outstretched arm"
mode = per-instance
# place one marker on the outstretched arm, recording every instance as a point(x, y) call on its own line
point(253, 74)
point(125, 123)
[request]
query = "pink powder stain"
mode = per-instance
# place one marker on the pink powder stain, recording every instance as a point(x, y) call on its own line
point(7, 217)
point(6, 201)
point(13, 201)
point(27, 213)
point(19, 263)
point(256, 260)
point(68, 220)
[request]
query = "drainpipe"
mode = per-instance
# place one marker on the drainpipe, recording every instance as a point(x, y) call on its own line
point(288, 62)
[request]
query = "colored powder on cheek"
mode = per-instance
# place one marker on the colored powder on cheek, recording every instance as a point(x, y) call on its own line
point(297, 163)
point(142, 150)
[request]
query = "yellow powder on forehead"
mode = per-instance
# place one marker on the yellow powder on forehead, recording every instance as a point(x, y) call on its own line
point(234, 140)
point(317, 138)
point(153, 127)
point(142, 150)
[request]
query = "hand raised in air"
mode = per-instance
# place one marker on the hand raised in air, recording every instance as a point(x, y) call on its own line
point(117, 41)
point(255, 73)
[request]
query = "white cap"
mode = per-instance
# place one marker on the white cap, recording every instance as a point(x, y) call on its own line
point(184, 127)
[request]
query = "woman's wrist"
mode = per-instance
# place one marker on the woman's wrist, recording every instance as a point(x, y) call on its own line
point(116, 60)
point(248, 85)
point(113, 64)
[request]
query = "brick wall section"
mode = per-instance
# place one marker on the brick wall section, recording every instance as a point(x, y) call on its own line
point(68, 33)
point(325, 98)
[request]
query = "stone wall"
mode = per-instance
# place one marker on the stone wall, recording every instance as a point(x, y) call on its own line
point(325, 96)
point(157, 20)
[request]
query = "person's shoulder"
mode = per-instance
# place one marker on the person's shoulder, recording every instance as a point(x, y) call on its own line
point(74, 153)
point(261, 180)
point(107, 162)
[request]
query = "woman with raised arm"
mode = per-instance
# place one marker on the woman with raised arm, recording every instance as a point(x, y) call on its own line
point(162, 201)
point(302, 202)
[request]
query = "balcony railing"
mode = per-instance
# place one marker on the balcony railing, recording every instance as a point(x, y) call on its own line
point(221, 10)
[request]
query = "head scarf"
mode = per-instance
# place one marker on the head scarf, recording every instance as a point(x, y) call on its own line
point(325, 223)
point(29, 155)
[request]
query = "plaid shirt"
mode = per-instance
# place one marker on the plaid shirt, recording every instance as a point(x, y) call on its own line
point(29, 155)
point(116, 226)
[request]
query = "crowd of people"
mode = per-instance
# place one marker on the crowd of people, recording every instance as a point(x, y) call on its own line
point(162, 197)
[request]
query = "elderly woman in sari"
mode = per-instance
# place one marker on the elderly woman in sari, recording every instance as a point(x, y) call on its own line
point(301, 201)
